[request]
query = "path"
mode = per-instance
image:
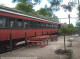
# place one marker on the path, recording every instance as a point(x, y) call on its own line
point(76, 48)
point(47, 52)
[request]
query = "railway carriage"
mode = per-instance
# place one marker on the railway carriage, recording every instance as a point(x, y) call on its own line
point(16, 24)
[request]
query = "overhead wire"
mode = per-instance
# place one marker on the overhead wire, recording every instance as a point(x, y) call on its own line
point(70, 17)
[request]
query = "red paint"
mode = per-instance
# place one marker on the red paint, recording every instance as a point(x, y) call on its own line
point(23, 17)
point(20, 33)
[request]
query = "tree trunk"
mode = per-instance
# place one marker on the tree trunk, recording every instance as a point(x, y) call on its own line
point(64, 43)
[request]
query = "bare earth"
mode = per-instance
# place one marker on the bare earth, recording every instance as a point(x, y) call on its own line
point(76, 48)
point(47, 52)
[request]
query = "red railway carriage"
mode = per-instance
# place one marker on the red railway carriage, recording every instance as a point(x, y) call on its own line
point(17, 24)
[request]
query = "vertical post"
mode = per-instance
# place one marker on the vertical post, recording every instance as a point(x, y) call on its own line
point(64, 43)
point(35, 34)
point(69, 18)
point(69, 23)
point(25, 38)
point(42, 32)
point(11, 42)
point(47, 33)
point(78, 2)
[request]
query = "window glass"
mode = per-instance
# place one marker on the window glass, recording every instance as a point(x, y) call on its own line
point(42, 25)
point(50, 26)
point(55, 26)
point(19, 23)
point(38, 25)
point(47, 25)
point(28, 24)
point(2, 22)
point(25, 24)
point(35, 25)
point(11, 24)
point(32, 24)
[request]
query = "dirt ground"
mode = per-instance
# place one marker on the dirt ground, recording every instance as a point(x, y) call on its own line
point(76, 48)
point(36, 52)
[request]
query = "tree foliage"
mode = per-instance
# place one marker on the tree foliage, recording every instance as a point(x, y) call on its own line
point(25, 8)
point(55, 3)
point(67, 7)
point(67, 30)
point(79, 10)
point(44, 12)
point(24, 1)
point(55, 19)
point(77, 24)
point(78, 21)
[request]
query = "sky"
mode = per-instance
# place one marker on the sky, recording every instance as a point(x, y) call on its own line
point(7, 3)
point(60, 14)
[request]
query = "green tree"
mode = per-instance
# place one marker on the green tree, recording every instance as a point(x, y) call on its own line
point(25, 8)
point(78, 27)
point(79, 10)
point(77, 24)
point(55, 4)
point(22, 1)
point(67, 30)
point(67, 7)
point(25, 1)
point(44, 12)
point(55, 19)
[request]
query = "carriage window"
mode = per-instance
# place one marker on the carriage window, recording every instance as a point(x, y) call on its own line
point(52, 26)
point(19, 23)
point(33, 24)
point(37, 25)
point(55, 26)
point(25, 24)
point(11, 24)
point(40, 25)
point(2, 22)
point(48, 25)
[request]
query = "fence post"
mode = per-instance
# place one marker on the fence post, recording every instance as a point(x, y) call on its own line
point(42, 32)
point(35, 34)
point(25, 38)
point(11, 41)
point(47, 33)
